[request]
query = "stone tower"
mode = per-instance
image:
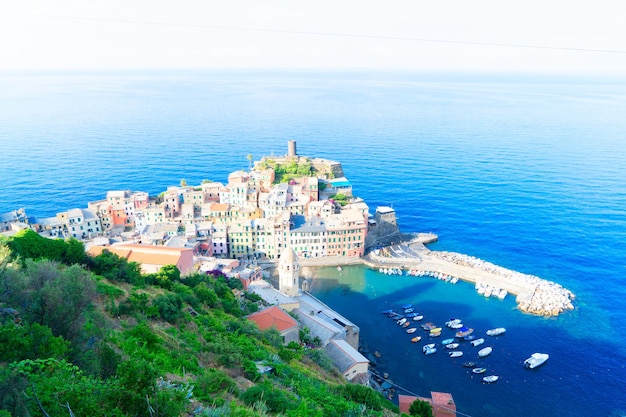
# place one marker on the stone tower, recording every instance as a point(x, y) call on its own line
point(289, 273)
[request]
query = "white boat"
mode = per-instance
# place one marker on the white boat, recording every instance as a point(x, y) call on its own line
point(485, 352)
point(418, 318)
point(339, 268)
point(477, 342)
point(490, 378)
point(452, 322)
point(456, 326)
point(429, 349)
point(411, 330)
point(401, 321)
point(455, 354)
point(535, 360)
point(502, 294)
point(479, 370)
point(452, 346)
point(496, 332)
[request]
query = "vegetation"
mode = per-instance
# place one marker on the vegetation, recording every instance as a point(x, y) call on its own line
point(286, 172)
point(419, 408)
point(82, 336)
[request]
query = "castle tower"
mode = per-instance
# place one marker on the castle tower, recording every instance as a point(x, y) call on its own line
point(289, 273)
point(291, 148)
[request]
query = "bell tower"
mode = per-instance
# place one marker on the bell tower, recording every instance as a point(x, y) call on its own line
point(289, 273)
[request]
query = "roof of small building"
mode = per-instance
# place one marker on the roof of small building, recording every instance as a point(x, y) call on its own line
point(343, 355)
point(273, 317)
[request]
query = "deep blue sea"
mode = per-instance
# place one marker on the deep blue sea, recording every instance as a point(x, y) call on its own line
point(525, 172)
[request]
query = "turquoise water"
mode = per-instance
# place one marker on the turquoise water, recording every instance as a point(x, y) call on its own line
point(525, 173)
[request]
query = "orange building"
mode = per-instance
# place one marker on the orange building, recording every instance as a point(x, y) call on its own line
point(442, 403)
point(151, 258)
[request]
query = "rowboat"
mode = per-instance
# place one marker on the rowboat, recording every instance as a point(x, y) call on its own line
point(491, 378)
point(485, 352)
point(416, 339)
point(411, 330)
point(455, 354)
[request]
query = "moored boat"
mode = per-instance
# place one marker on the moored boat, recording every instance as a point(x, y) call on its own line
point(490, 378)
point(418, 318)
point(455, 354)
point(485, 352)
point(428, 326)
point(411, 330)
point(407, 306)
point(477, 342)
point(452, 346)
point(496, 332)
point(469, 364)
point(387, 312)
point(464, 331)
point(429, 349)
point(479, 370)
point(406, 324)
point(401, 321)
point(469, 338)
point(416, 339)
point(535, 360)
point(447, 341)
point(452, 322)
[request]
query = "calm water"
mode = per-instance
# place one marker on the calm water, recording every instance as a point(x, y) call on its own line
point(525, 173)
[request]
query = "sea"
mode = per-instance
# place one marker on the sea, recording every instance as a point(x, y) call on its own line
point(525, 171)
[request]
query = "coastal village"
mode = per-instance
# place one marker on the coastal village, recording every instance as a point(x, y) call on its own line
point(284, 214)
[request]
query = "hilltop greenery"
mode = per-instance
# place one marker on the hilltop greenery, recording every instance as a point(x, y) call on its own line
point(286, 172)
point(93, 336)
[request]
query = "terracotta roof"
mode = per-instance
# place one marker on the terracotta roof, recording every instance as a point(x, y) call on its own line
point(143, 254)
point(442, 403)
point(273, 317)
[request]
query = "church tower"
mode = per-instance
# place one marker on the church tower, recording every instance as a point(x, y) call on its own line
point(289, 273)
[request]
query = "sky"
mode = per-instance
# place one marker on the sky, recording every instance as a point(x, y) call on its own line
point(534, 36)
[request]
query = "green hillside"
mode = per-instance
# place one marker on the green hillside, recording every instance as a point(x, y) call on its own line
point(82, 336)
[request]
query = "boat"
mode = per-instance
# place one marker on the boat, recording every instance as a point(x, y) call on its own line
point(395, 316)
point(469, 364)
point(447, 341)
point(535, 360)
point(455, 354)
point(401, 321)
point(406, 324)
point(411, 315)
point(416, 339)
point(411, 330)
point(496, 332)
point(452, 322)
point(477, 342)
point(407, 306)
point(429, 349)
point(436, 330)
point(339, 268)
point(479, 370)
point(418, 318)
point(490, 378)
point(464, 331)
point(456, 326)
point(387, 312)
point(408, 310)
point(485, 352)
point(428, 326)
point(469, 338)
point(435, 333)
point(452, 346)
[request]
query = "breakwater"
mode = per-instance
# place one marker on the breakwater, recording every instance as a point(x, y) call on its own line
point(534, 295)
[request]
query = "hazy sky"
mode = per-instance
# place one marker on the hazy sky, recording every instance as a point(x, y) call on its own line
point(461, 35)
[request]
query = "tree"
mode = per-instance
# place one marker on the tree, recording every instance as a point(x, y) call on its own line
point(183, 182)
point(421, 408)
point(249, 158)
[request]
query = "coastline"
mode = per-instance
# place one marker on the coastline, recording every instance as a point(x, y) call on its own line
point(534, 295)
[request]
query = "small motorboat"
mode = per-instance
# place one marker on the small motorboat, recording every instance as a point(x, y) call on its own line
point(436, 330)
point(469, 337)
point(418, 318)
point(452, 346)
point(428, 326)
point(447, 341)
point(401, 321)
point(464, 331)
point(429, 349)
point(387, 312)
point(535, 360)
point(339, 268)
point(416, 339)
point(490, 378)
point(407, 306)
point(411, 330)
point(477, 342)
point(434, 333)
point(496, 332)
point(456, 326)
point(455, 354)
point(406, 324)
point(408, 310)
point(485, 352)
point(395, 316)
point(469, 364)
point(479, 370)
point(452, 322)
point(411, 315)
